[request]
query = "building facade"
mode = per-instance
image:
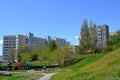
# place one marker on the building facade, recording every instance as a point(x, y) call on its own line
point(60, 41)
point(8, 47)
point(102, 35)
point(13, 42)
point(38, 42)
point(75, 49)
point(48, 39)
point(112, 34)
point(0, 58)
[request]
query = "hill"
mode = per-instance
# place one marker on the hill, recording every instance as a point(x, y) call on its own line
point(93, 67)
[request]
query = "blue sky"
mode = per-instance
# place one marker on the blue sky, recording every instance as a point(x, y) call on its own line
point(61, 18)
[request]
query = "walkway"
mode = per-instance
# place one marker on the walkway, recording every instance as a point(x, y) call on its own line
point(47, 76)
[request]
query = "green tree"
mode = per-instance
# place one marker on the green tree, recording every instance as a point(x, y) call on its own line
point(84, 33)
point(92, 36)
point(52, 46)
point(114, 42)
point(43, 53)
point(63, 56)
point(11, 55)
point(22, 49)
point(25, 57)
point(57, 56)
point(34, 54)
point(67, 55)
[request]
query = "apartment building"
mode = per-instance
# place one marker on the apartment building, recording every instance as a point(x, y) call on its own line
point(13, 42)
point(38, 42)
point(60, 41)
point(75, 49)
point(102, 35)
point(9, 46)
point(0, 58)
point(48, 39)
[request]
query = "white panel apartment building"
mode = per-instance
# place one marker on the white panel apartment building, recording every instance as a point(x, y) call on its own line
point(12, 43)
point(10, 46)
point(38, 42)
point(59, 41)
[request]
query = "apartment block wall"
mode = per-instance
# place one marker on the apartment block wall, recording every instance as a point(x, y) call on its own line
point(9, 47)
point(12, 43)
point(38, 42)
point(102, 35)
point(48, 39)
point(60, 41)
point(30, 37)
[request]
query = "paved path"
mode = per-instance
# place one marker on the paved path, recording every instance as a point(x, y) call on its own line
point(47, 76)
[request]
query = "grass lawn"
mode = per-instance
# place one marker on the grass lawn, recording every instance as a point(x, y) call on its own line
point(21, 76)
point(93, 67)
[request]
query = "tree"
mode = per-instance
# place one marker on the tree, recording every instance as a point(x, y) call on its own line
point(22, 49)
point(34, 54)
point(92, 36)
point(25, 57)
point(57, 56)
point(52, 46)
point(11, 55)
point(67, 55)
point(43, 53)
point(88, 38)
point(84, 32)
point(114, 42)
point(62, 56)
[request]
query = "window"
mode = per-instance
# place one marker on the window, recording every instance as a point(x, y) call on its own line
point(5, 58)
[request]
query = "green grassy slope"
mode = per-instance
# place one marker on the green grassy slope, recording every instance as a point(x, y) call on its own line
point(93, 67)
point(22, 76)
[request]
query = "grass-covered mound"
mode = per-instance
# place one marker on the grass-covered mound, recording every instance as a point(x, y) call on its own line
point(93, 67)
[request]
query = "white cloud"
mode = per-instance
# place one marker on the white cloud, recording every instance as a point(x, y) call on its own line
point(76, 37)
point(1, 42)
point(76, 44)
